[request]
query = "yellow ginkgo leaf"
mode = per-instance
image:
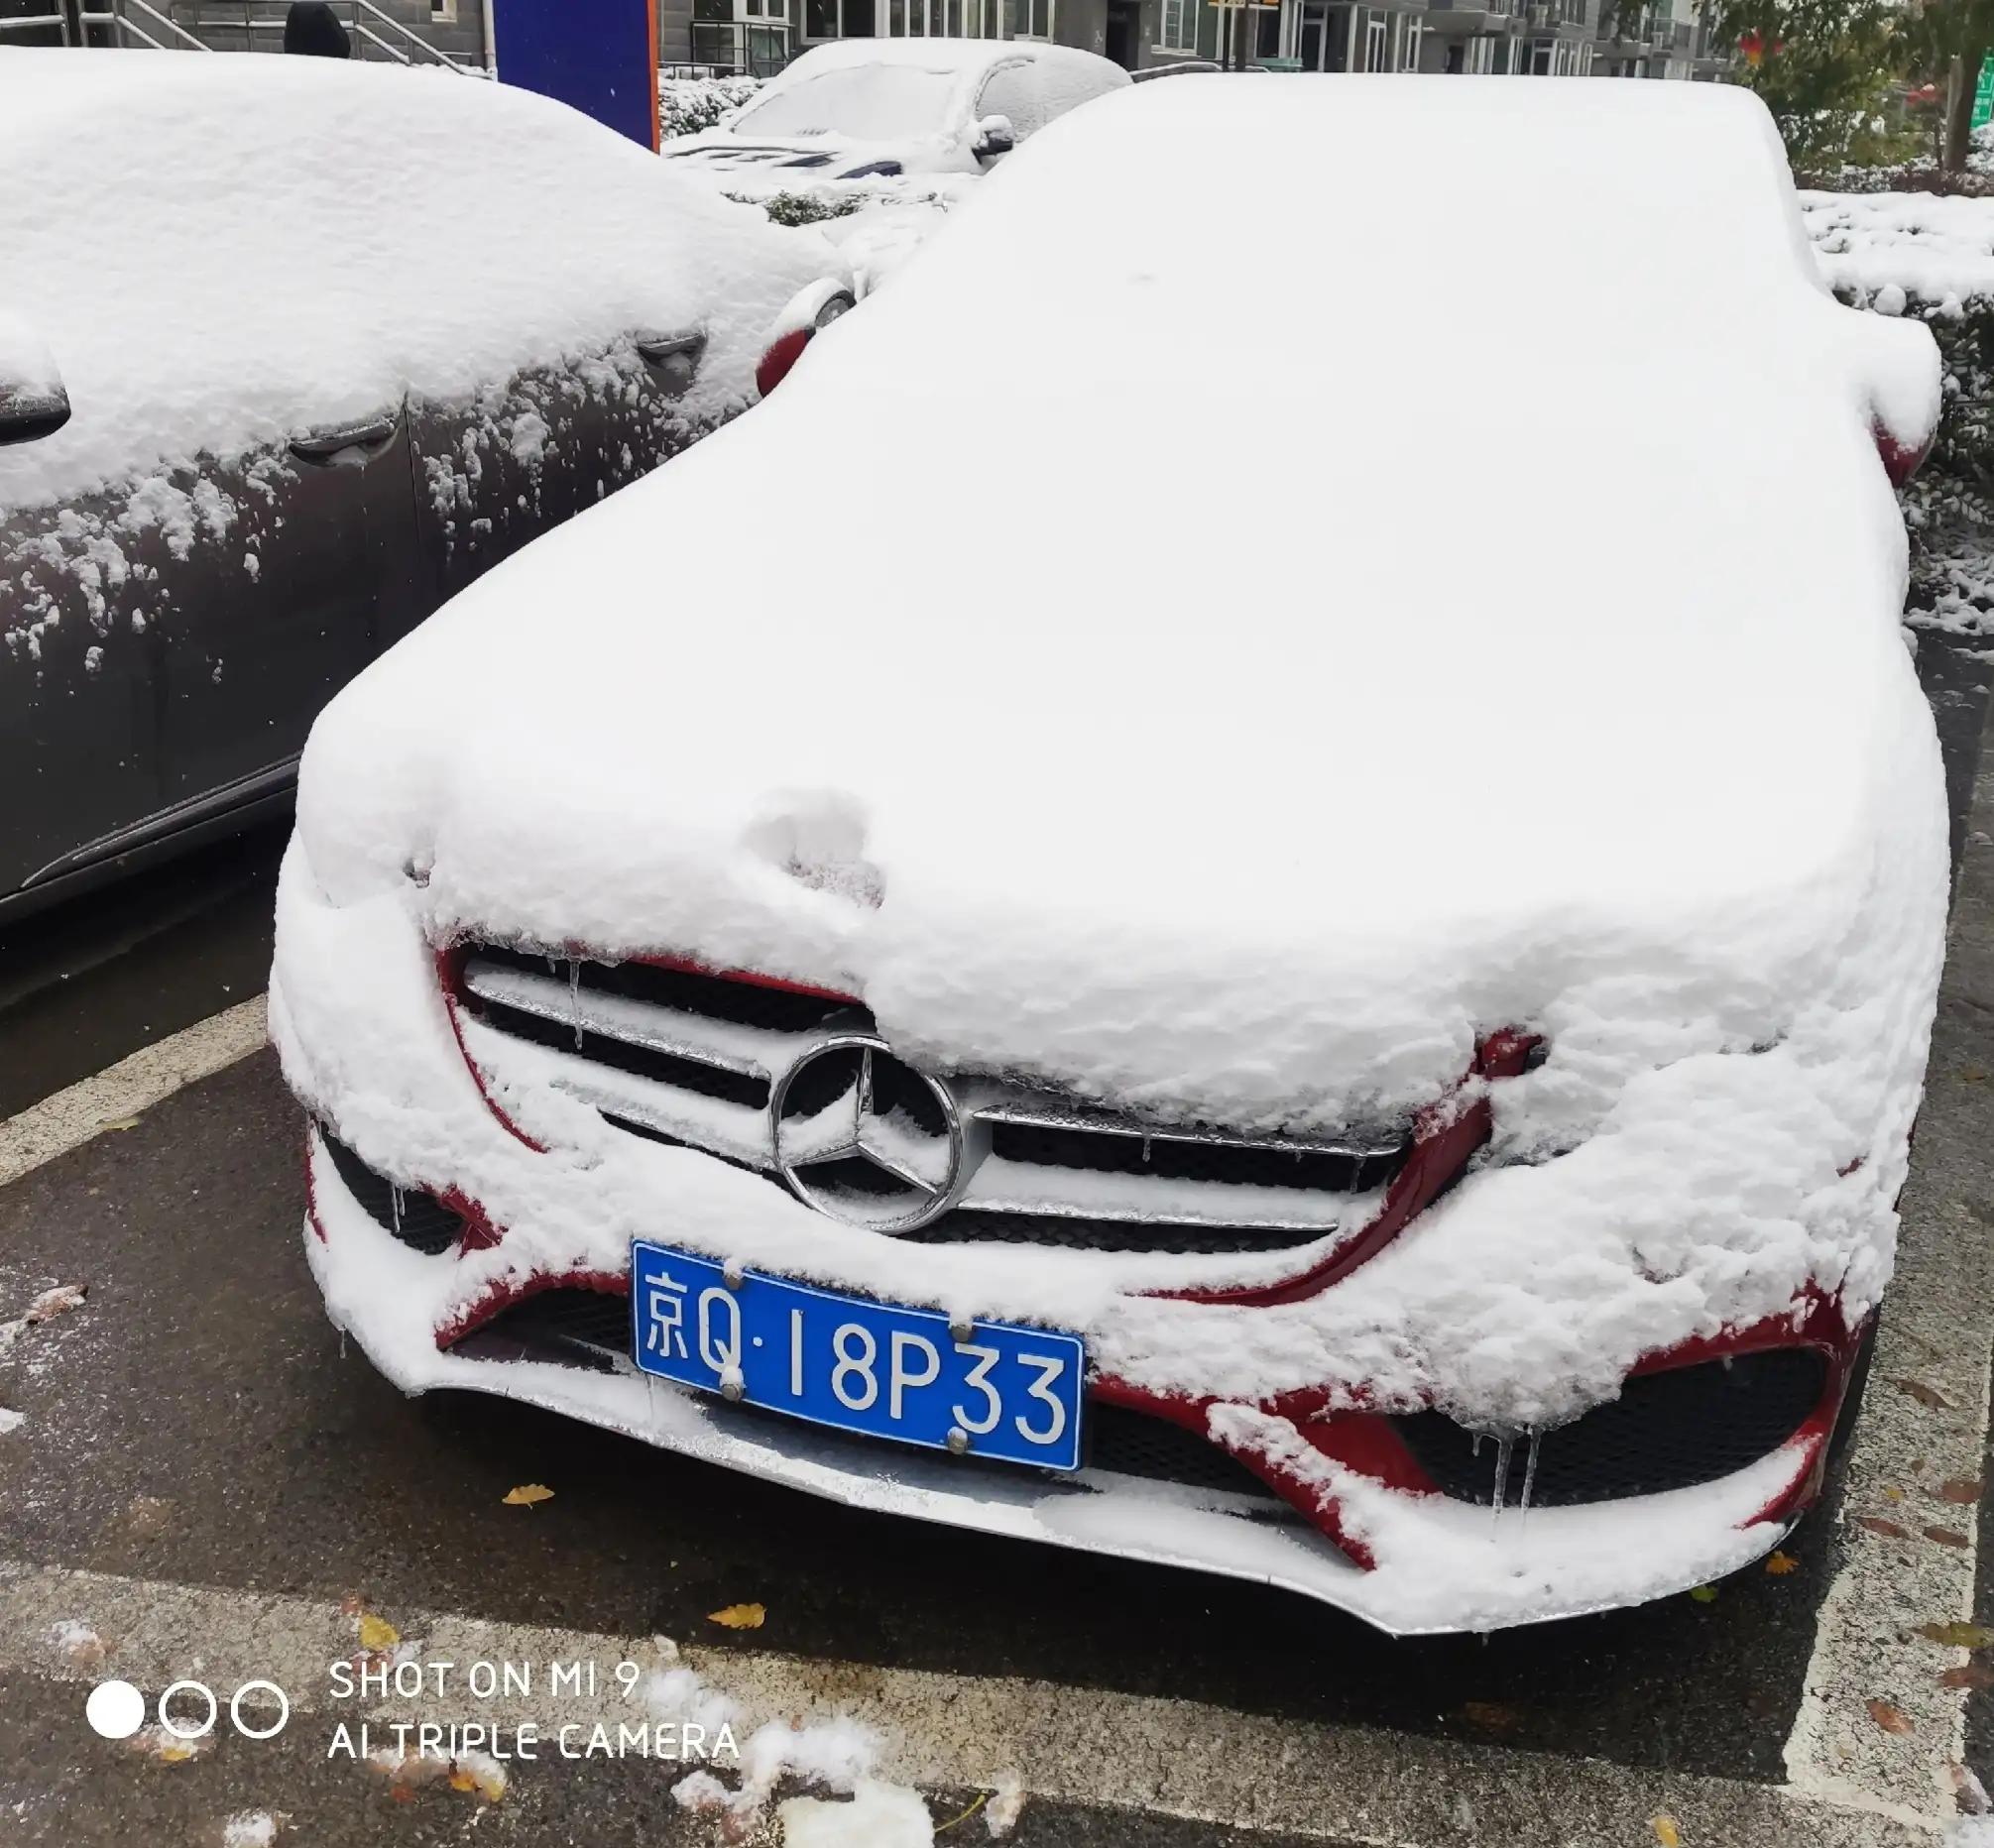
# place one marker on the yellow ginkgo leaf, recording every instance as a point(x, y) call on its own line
point(1704, 1594)
point(528, 1494)
point(740, 1617)
point(377, 1632)
point(1666, 1831)
point(1779, 1564)
point(477, 1776)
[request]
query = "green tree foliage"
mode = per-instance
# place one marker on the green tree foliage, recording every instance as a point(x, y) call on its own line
point(1824, 67)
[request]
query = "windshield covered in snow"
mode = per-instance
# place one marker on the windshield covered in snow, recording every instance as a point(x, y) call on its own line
point(867, 102)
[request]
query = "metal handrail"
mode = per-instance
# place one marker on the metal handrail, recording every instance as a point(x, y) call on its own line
point(414, 38)
point(115, 16)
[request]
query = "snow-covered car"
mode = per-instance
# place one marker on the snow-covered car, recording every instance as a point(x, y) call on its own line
point(1364, 1041)
point(870, 108)
point(310, 397)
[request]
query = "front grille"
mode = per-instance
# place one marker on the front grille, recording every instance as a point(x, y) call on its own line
point(696, 1059)
point(421, 1220)
point(592, 1329)
point(1671, 1430)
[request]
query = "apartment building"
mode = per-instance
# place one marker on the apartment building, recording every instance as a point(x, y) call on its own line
point(1538, 38)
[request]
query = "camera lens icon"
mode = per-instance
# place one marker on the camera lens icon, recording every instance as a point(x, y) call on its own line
point(115, 1709)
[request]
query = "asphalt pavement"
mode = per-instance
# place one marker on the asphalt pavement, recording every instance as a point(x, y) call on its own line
point(195, 1431)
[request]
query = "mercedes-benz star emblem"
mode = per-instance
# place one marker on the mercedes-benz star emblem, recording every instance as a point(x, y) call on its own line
point(867, 1139)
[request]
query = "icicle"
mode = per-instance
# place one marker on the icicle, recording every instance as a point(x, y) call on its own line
point(1474, 1450)
point(1530, 1466)
point(395, 1199)
point(1146, 1148)
point(575, 998)
point(1502, 1448)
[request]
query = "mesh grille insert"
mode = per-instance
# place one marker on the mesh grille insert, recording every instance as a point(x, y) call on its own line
point(1671, 1430)
point(419, 1221)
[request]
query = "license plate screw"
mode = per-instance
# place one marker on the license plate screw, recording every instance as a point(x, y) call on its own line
point(959, 1440)
point(730, 1389)
point(960, 1330)
point(732, 1275)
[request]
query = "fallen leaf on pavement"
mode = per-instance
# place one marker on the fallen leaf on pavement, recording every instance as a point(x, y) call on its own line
point(1946, 1537)
point(1890, 1492)
point(1926, 1395)
point(1781, 1564)
point(1704, 1594)
point(123, 1123)
point(740, 1616)
point(528, 1494)
point(1874, 1524)
point(1968, 1674)
point(1957, 1635)
point(1891, 1719)
point(56, 1302)
point(1491, 1715)
point(477, 1776)
point(1666, 1831)
point(1964, 1491)
point(377, 1632)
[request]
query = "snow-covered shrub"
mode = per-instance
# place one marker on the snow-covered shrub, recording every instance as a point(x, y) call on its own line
point(805, 208)
point(685, 105)
point(1932, 255)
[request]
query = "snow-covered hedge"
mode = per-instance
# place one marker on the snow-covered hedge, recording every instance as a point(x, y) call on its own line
point(1931, 255)
point(685, 105)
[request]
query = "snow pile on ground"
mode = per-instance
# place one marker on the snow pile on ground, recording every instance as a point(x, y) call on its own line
point(1255, 827)
point(240, 249)
point(1885, 250)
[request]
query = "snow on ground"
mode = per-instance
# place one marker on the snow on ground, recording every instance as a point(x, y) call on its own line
point(1263, 834)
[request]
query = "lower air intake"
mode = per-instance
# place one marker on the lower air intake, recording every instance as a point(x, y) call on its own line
point(1671, 1430)
point(419, 1221)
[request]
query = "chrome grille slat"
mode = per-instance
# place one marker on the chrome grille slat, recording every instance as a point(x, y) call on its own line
point(1050, 1164)
point(754, 1052)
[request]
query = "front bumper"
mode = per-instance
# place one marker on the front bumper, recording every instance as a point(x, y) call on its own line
point(1436, 1565)
point(549, 1197)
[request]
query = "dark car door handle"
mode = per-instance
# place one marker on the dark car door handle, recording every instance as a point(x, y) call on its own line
point(325, 445)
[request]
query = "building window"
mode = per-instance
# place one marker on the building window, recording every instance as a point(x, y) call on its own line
point(1178, 31)
point(1029, 19)
point(442, 12)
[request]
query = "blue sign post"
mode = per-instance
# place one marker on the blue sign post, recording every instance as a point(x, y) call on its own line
point(596, 56)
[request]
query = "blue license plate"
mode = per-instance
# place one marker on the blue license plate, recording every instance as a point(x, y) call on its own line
point(1013, 1393)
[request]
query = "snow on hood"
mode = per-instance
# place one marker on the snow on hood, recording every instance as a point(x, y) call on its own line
point(223, 251)
point(1227, 653)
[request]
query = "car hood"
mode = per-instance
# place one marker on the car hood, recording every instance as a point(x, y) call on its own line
point(1242, 746)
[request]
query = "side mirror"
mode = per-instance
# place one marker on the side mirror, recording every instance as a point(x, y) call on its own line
point(33, 403)
point(992, 137)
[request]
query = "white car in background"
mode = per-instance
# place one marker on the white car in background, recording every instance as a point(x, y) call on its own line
point(879, 108)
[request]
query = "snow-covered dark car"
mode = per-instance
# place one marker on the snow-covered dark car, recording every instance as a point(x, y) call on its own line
point(310, 397)
point(877, 108)
point(1350, 1016)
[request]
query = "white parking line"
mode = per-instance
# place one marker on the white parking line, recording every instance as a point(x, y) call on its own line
point(92, 1105)
point(1179, 1758)
point(1923, 1426)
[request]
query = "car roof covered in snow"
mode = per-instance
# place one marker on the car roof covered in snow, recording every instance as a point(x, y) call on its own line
point(971, 56)
point(220, 250)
